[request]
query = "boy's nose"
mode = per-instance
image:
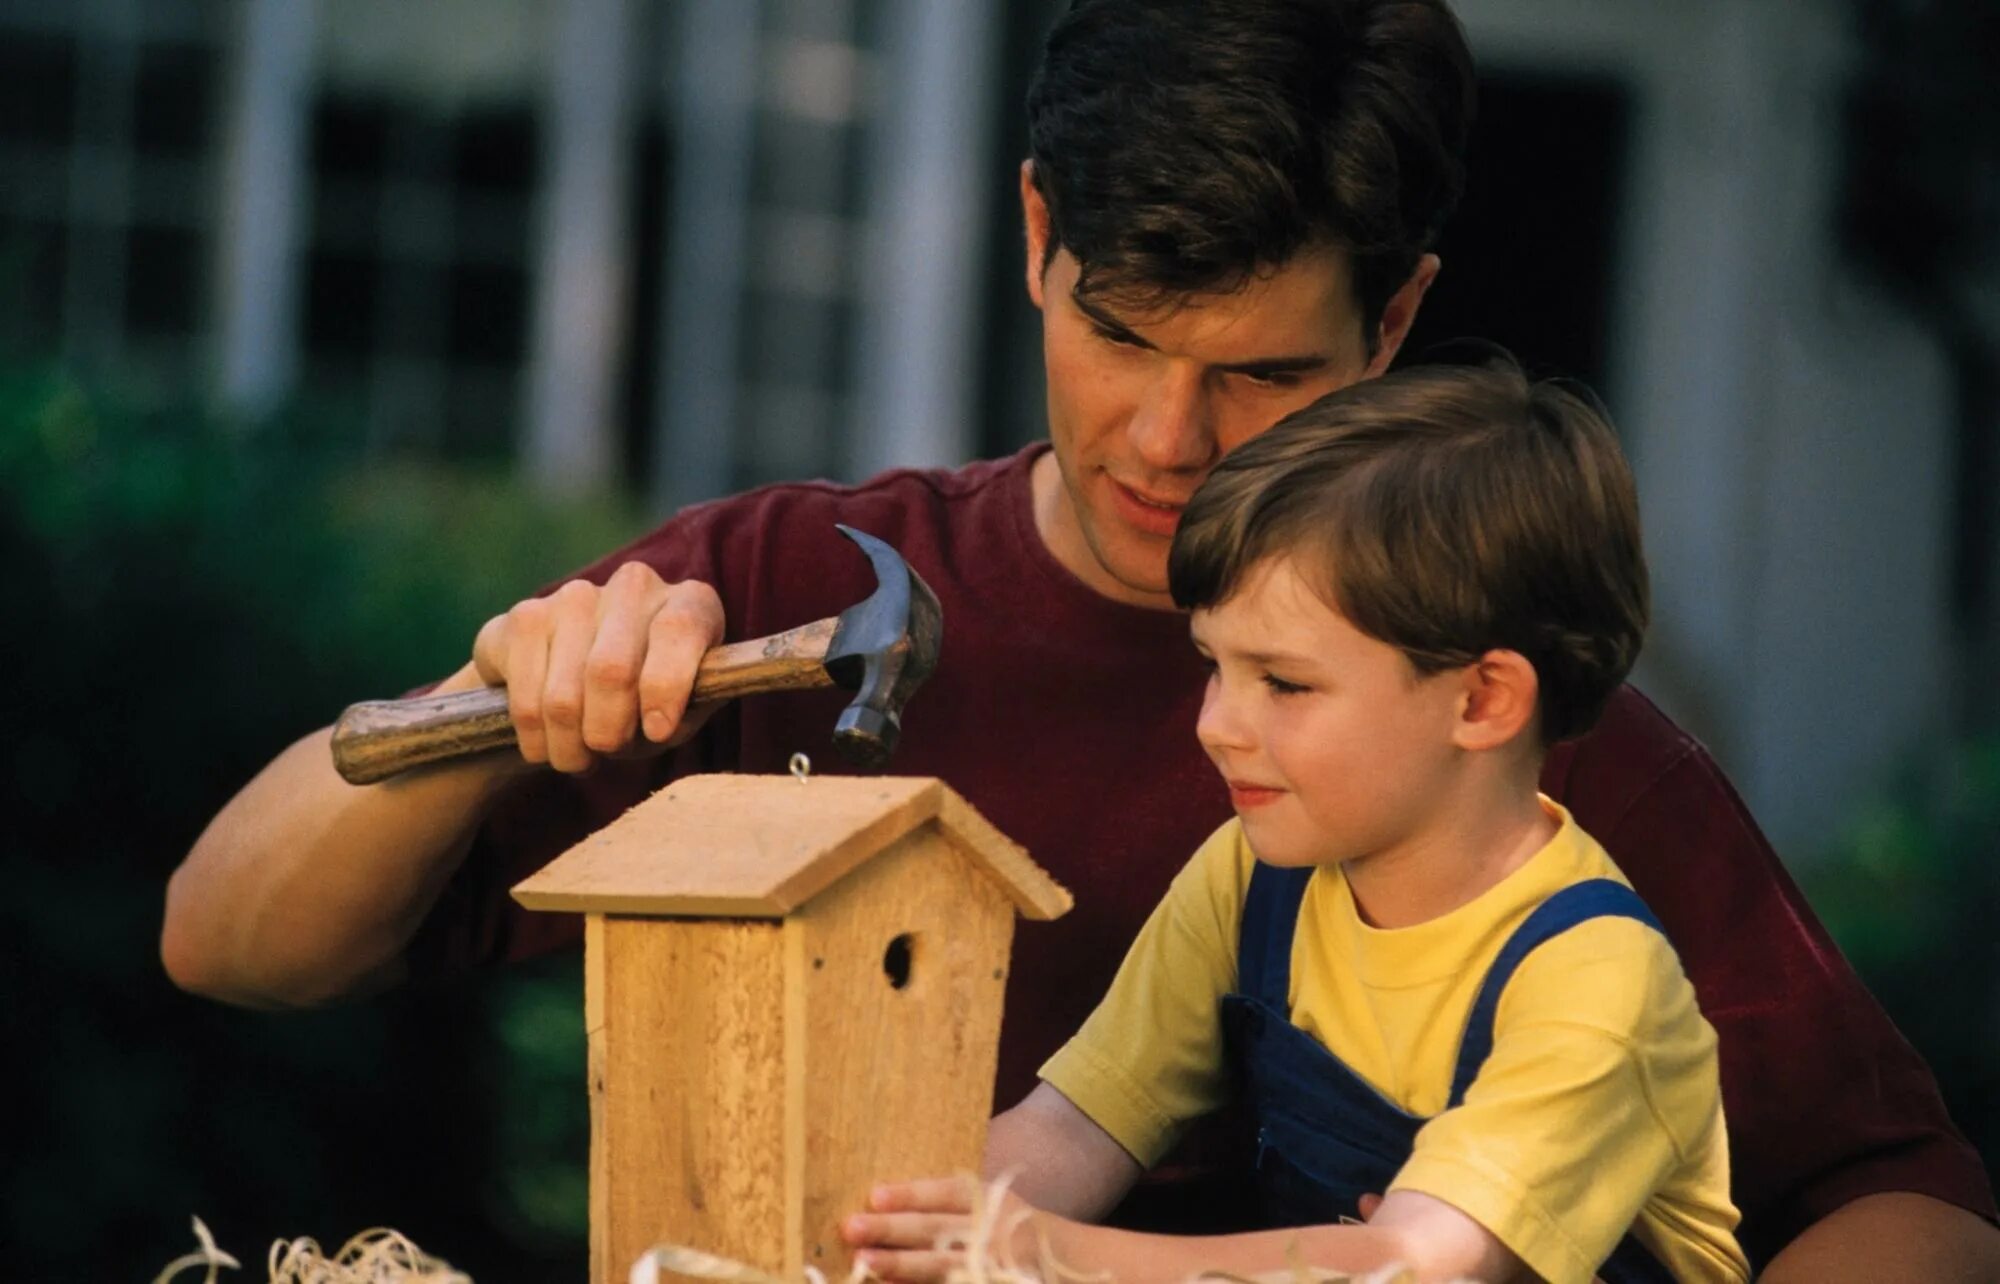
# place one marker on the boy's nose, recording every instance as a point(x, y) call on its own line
point(1220, 726)
point(1172, 429)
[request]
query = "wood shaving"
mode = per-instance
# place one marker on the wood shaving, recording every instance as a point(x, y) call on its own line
point(205, 1254)
point(983, 1254)
point(378, 1256)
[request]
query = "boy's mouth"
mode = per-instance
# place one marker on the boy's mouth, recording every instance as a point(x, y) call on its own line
point(1244, 795)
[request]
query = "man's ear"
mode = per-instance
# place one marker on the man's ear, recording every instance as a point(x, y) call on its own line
point(1498, 696)
point(1401, 312)
point(1035, 213)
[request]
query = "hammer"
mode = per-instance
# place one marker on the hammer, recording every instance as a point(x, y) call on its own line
point(882, 647)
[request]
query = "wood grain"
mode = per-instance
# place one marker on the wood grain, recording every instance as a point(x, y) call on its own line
point(751, 846)
point(690, 1106)
point(897, 1082)
point(377, 739)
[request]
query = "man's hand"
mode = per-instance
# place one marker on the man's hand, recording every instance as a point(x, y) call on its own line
point(592, 672)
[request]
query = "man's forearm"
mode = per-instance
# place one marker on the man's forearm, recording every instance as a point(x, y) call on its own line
point(1895, 1236)
point(306, 889)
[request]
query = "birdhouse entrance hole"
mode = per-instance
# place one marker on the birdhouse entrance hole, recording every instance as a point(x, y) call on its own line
point(896, 961)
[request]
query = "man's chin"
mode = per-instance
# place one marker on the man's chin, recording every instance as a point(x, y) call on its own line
point(1139, 570)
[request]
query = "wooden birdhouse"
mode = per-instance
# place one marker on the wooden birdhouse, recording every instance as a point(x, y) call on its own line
point(792, 990)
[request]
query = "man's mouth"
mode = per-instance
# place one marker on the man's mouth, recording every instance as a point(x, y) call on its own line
point(1150, 513)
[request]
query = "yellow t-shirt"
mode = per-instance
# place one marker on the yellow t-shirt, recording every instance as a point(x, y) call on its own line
point(1598, 1110)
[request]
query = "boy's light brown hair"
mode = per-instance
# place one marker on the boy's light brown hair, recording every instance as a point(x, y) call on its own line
point(1451, 511)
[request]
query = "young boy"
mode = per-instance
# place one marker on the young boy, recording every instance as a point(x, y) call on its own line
point(1424, 980)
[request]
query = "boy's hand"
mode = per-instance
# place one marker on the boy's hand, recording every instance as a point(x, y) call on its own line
point(916, 1231)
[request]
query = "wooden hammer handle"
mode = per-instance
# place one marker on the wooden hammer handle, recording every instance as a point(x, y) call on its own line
point(377, 739)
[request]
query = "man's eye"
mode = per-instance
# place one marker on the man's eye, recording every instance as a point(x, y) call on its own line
point(1277, 379)
point(1119, 337)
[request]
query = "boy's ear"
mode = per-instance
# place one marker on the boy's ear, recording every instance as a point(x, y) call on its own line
point(1498, 696)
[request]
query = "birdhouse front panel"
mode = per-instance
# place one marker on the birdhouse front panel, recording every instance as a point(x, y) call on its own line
point(904, 970)
point(688, 1097)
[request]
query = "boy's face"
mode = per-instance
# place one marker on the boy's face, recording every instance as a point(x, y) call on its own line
point(1141, 407)
point(1332, 745)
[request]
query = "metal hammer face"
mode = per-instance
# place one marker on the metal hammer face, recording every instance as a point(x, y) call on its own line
point(882, 648)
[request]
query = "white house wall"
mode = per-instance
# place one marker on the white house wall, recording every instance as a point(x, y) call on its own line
point(1791, 454)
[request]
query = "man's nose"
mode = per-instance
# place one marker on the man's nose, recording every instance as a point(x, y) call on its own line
point(1172, 429)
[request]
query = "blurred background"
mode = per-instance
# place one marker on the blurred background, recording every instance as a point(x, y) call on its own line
point(329, 328)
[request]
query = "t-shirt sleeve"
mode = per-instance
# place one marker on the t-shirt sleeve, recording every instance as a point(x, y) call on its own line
point(1149, 1059)
point(1826, 1100)
point(1601, 1082)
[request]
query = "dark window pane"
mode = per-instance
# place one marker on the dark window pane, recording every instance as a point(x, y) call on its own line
point(350, 139)
point(174, 99)
point(37, 89)
point(489, 315)
point(1528, 257)
point(494, 151)
point(163, 281)
point(340, 303)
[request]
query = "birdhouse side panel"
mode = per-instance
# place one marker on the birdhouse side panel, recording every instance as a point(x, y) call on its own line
point(688, 1091)
point(904, 964)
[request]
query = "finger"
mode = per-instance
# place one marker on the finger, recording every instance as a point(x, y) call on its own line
point(573, 619)
point(901, 1230)
point(925, 1266)
point(625, 607)
point(489, 651)
point(1369, 1203)
point(526, 637)
point(928, 1194)
point(688, 622)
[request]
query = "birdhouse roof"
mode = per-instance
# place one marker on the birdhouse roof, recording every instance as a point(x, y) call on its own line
point(729, 846)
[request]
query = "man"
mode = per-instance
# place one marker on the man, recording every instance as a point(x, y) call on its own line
point(1229, 208)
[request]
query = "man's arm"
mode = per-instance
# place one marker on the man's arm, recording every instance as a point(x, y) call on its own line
point(1894, 1236)
point(1798, 1031)
point(305, 889)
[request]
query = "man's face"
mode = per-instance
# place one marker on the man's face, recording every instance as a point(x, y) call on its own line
point(1141, 407)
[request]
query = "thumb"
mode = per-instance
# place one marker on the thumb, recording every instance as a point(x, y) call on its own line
point(1369, 1203)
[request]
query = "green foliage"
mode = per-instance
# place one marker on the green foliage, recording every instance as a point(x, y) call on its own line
point(1912, 895)
point(182, 602)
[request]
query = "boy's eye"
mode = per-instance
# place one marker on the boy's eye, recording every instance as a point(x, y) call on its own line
point(1281, 687)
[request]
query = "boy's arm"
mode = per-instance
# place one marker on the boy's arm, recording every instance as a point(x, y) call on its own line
point(1058, 1158)
point(897, 1241)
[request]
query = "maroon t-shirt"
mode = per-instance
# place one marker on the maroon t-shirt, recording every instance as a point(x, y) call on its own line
point(1068, 720)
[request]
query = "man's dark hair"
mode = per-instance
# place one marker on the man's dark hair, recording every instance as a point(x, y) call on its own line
point(1448, 511)
point(1183, 146)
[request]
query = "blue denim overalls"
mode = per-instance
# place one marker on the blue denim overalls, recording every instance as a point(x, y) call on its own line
point(1325, 1136)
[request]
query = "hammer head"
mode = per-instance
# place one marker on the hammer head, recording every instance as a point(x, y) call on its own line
point(882, 649)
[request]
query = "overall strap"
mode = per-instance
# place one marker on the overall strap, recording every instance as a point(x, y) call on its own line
point(1264, 942)
point(1577, 903)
